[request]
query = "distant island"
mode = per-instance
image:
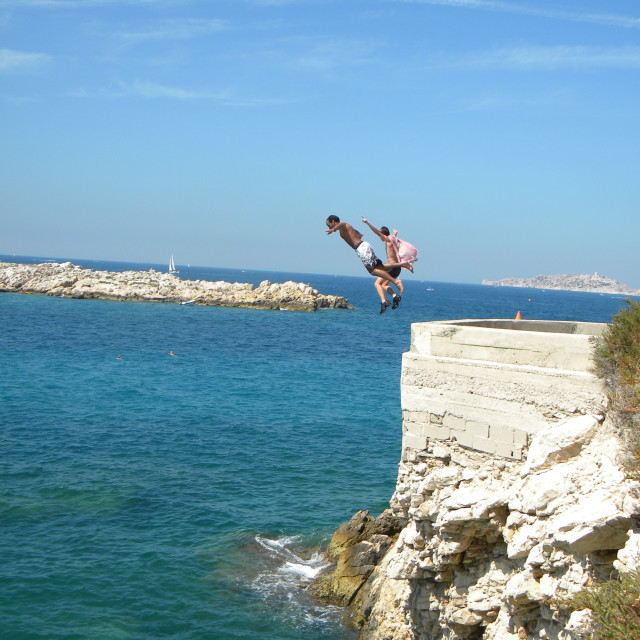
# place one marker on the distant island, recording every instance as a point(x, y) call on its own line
point(568, 282)
point(71, 281)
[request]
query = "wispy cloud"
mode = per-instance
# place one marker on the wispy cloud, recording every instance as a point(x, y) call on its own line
point(317, 53)
point(154, 91)
point(279, 3)
point(613, 20)
point(15, 61)
point(179, 29)
point(88, 4)
point(73, 4)
point(146, 90)
point(18, 101)
point(545, 58)
point(502, 100)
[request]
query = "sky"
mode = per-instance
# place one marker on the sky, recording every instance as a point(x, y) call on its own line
point(499, 137)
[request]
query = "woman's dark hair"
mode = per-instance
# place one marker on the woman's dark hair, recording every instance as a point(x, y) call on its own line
point(385, 231)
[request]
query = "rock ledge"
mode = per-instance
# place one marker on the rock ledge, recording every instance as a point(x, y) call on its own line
point(69, 280)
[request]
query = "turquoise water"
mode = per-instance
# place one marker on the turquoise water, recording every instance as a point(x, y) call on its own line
point(186, 496)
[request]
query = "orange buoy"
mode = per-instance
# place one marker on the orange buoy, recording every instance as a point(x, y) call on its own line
point(518, 316)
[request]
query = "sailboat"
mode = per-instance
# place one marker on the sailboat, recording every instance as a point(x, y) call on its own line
point(172, 265)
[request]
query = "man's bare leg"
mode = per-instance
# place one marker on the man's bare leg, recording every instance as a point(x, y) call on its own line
point(395, 299)
point(380, 273)
point(380, 286)
point(404, 265)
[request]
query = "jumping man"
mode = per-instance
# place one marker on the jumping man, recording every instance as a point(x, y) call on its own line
point(393, 266)
point(372, 263)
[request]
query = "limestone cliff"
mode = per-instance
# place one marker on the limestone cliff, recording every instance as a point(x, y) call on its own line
point(69, 280)
point(489, 547)
point(511, 494)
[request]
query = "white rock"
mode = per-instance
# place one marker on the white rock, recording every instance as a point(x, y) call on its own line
point(451, 520)
point(403, 566)
point(525, 538)
point(464, 497)
point(631, 501)
point(537, 556)
point(538, 490)
point(459, 569)
point(521, 590)
point(468, 474)
point(548, 586)
point(440, 478)
point(409, 534)
point(579, 626)
point(441, 451)
point(452, 547)
point(595, 524)
point(517, 519)
point(560, 442)
point(629, 556)
point(465, 617)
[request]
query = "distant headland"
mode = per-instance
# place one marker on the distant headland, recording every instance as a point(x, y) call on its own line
point(72, 281)
point(568, 282)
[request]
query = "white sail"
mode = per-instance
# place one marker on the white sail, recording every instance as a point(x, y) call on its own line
point(172, 266)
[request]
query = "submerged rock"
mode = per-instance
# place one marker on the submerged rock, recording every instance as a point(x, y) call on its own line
point(69, 280)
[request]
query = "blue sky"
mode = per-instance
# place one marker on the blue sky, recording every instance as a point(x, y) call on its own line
point(501, 138)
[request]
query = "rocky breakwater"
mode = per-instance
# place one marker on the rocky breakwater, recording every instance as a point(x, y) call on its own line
point(490, 548)
point(69, 280)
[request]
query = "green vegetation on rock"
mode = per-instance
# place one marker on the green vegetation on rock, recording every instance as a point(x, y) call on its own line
point(616, 608)
point(617, 363)
point(616, 603)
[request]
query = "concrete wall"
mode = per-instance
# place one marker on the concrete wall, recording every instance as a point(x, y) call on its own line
point(491, 384)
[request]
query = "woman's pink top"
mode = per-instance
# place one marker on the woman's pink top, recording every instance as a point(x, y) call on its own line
point(405, 250)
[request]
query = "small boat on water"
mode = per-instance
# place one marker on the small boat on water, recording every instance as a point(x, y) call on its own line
point(172, 265)
point(188, 302)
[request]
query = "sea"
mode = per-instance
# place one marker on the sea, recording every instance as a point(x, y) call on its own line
point(145, 495)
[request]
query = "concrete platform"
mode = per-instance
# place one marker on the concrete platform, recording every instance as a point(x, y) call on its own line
point(490, 384)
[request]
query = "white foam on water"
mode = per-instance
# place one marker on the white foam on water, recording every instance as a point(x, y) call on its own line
point(305, 571)
point(284, 577)
point(290, 564)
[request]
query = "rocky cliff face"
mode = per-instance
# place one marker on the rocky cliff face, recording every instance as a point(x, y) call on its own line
point(488, 547)
point(67, 279)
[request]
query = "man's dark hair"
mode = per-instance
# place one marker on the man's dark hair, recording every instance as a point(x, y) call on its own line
point(333, 218)
point(385, 231)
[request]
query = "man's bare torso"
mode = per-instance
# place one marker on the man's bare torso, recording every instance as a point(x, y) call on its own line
point(392, 256)
point(350, 235)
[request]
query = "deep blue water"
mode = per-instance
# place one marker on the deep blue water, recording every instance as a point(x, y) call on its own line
point(157, 496)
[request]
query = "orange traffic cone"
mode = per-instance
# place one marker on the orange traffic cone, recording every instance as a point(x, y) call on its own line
point(518, 316)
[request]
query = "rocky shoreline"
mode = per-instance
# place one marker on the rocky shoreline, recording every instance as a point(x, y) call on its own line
point(568, 282)
point(72, 281)
point(477, 547)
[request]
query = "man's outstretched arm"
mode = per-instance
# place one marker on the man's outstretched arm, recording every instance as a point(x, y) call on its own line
point(376, 231)
point(337, 226)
